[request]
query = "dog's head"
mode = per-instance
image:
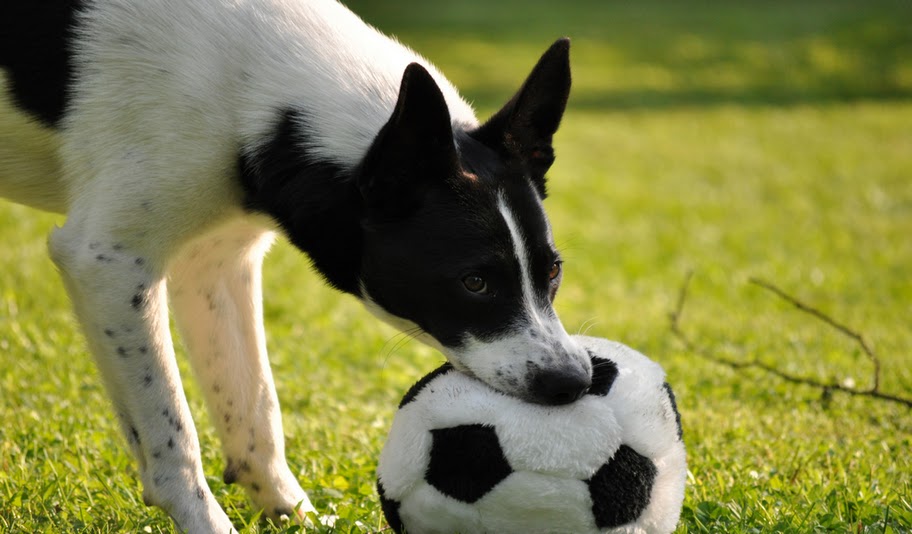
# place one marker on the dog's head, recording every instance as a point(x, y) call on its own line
point(456, 242)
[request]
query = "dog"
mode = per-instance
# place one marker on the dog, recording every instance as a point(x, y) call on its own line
point(179, 136)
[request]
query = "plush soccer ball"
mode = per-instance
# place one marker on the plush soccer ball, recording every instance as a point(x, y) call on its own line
point(464, 458)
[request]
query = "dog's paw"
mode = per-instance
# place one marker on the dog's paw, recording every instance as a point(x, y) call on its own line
point(290, 506)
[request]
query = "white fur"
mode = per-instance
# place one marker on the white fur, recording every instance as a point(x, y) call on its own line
point(551, 451)
point(144, 164)
point(533, 312)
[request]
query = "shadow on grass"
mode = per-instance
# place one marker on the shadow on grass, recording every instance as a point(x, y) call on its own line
point(662, 54)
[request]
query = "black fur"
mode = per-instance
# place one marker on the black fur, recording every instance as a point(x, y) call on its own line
point(456, 232)
point(413, 152)
point(35, 51)
point(317, 203)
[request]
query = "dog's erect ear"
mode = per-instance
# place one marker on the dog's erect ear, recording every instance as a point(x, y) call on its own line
point(412, 150)
point(524, 127)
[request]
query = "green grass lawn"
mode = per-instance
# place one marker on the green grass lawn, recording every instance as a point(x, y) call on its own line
point(735, 139)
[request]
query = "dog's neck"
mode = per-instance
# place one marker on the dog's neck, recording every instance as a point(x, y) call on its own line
point(315, 202)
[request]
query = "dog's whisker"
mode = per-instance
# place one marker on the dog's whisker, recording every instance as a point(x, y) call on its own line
point(586, 326)
point(398, 341)
point(391, 343)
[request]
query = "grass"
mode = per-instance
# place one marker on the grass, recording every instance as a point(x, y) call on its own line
point(732, 139)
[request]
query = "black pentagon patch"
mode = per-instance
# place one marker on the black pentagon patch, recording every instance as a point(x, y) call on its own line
point(604, 372)
point(466, 462)
point(390, 509)
point(621, 489)
point(416, 389)
point(674, 406)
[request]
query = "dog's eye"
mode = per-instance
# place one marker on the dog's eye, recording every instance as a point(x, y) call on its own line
point(555, 270)
point(475, 284)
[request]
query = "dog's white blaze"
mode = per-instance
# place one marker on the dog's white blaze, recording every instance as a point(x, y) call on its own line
point(519, 249)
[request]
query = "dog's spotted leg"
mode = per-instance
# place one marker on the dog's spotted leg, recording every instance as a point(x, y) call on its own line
point(117, 286)
point(216, 295)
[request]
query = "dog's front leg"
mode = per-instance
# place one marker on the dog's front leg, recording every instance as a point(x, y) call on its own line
point(118, 290)
point(216, 295)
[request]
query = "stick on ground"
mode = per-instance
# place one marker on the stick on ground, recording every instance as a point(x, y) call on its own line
point(826, 387)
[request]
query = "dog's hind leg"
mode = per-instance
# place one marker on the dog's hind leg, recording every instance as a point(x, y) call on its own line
point(114, 275)
point(216, 293)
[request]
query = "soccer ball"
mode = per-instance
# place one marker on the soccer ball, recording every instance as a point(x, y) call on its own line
point(464, 458)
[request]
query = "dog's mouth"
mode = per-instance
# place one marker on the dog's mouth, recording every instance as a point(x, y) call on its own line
point(532, 382)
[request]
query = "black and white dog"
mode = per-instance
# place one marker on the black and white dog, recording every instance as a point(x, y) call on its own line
point(179, 135)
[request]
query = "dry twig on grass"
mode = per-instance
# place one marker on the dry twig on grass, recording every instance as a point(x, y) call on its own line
point(827, 387)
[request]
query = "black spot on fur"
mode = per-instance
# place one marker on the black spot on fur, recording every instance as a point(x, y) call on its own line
point(622, 488)
point(390, 509)
point(139, 261)
point(230, 474)
point(466, 462)
point(255, 487)
point(674, 407)
point(416, 389)
point(171, 443)
point(108, 332)
point(143, 350)
point(147, 380)
point(216, 388)
point(103, 258)
point(227, 418)
point(117, 246)
point(200, 494)
point(137, 301)
point(122, 352)
point(35, 50)
point(156, 454)
point(94, 245)
point(232, 471)
point(134, 434)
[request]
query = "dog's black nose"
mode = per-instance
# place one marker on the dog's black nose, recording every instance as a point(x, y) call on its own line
point(561, 386)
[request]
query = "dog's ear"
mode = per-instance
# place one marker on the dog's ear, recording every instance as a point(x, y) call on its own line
point(524, 127)
point(414, 148)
